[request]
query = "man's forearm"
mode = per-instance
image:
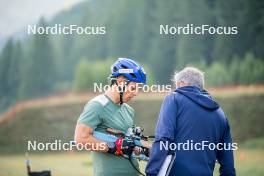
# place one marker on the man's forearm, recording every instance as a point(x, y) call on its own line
point(84, 137)
point(93, 144)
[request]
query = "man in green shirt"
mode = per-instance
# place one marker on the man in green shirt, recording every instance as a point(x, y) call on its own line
point(109, 110)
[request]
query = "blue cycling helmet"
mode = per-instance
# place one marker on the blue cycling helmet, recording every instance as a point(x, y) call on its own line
point(129, 69)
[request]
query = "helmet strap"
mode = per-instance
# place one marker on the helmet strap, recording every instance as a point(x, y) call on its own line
point(121, 91)
point(121, 97)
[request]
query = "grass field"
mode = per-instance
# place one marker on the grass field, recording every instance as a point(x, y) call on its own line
point(52, 118)
point(247, 161)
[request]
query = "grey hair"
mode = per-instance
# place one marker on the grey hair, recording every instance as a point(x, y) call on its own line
point(191, 76)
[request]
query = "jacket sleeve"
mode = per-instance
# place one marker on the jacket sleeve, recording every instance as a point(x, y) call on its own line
point(225, 157)
point(165, 133)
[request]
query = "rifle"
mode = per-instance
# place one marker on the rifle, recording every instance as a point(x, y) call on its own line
point(134, 133)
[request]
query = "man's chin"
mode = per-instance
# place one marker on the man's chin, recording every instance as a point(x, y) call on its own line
point(127, 100)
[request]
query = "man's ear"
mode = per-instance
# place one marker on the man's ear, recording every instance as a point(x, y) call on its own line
point(181, 84)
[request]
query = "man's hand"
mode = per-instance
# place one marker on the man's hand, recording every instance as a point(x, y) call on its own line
point(121, 146)
point(137, 150)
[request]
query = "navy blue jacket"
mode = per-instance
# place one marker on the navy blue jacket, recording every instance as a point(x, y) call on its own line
point(191, 114)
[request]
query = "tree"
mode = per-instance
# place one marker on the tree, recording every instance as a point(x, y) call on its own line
point(5, 77)
point(9, 72)
point(251, 70)
point(217, 75)
point(194, 48)
point(254, 26)
point(162, 51)
point(89, 73)
point(6, 60)
point(39, 72)
point(232, 14)
point(145, 29)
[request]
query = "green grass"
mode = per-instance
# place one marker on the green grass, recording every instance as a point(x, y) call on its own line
point(60, 164)
point(256, 143)
point(247, 162)
point(57, 121)
point(48, 123)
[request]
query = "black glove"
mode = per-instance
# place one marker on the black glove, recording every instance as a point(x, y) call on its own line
point(121, 146)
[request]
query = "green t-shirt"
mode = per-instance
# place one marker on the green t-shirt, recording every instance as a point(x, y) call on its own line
point(101, 113)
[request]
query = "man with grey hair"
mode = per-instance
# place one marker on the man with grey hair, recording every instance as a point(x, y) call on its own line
point(189, 76)
point(195, 123)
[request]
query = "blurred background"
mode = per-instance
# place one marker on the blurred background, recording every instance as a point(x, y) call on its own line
point(45, 80)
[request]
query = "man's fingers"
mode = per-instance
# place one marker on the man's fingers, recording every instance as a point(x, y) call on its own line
point(137, 150)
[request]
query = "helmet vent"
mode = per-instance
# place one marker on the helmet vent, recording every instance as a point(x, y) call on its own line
point(133, 75)
point(123, 66)
point(115, 69)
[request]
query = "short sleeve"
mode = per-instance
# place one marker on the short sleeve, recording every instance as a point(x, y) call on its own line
point(91, 115)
